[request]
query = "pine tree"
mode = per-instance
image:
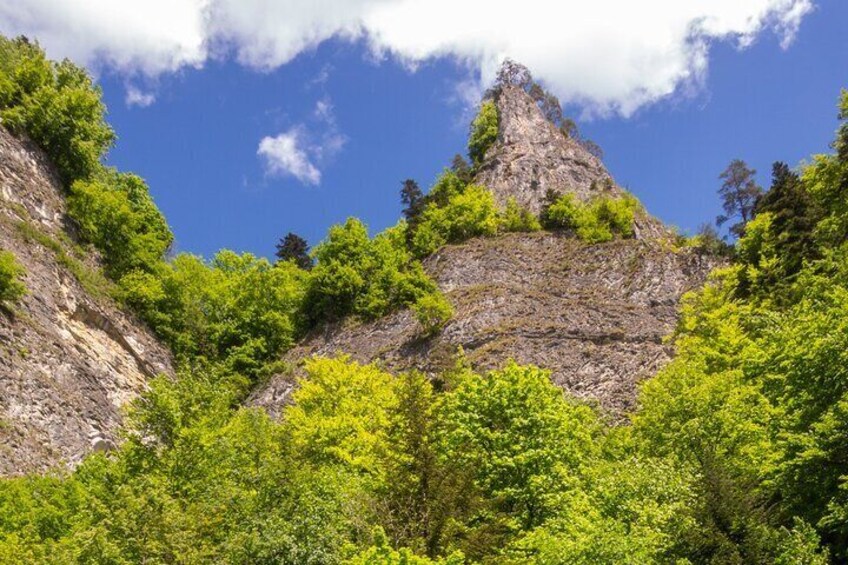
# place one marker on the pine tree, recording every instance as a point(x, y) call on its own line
point(412, 198)
point(294, 248)
point(739, 193)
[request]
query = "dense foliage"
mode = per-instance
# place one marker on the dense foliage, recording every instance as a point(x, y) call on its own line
point(239, 310)
point(737, 453)
point(600, 219)
point(365, 277)
point(484, 132)
point(116, 213)
point(12, 288)
point(56, 105)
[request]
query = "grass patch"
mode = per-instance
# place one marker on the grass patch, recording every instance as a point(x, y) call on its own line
point(92, 280)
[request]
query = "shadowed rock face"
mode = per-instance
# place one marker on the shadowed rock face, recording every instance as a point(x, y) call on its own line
point(595, 315)
point(68, 360)
point(532, 156)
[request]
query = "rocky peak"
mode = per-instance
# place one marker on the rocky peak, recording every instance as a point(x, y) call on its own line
point(531, 156)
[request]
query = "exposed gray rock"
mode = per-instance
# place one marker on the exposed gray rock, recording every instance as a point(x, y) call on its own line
point(532, 156)
point(595, 315)
point(69, 360)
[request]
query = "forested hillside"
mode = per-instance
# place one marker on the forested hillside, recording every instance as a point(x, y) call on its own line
point(736, 451)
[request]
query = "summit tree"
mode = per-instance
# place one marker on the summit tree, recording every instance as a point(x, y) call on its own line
point(739, 193)
point(294, 248)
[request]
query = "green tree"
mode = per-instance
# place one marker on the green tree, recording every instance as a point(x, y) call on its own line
point(519, 435)
point(484, 132)
point(364, 277)
point(461, 168)
point(412, 198)
point(56, 105)
point(601, 219)
point(115, 212)
point(236, 309)
point(433, 311)
point(341, 414)
point(468, 214)
point(517, 219)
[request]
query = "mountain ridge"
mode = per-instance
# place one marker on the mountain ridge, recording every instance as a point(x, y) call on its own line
point(593, 314)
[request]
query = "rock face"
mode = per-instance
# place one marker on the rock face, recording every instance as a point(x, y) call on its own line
point(69, 359)
point(595, 315)
point(532, 156)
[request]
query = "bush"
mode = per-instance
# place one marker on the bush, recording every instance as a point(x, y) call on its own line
point(517, 219)
point(484, 132)
point(56, 105)
point(467, 214)
point(12, 288)
point(237, 309)
point(433, 311)
point(601, 219)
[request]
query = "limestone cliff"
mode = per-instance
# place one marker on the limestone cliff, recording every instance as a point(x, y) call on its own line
point(69, 357)
point(595, 315)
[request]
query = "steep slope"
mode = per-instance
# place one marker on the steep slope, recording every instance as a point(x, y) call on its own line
point(532, 156)
point(69, 357)
point(595, 315)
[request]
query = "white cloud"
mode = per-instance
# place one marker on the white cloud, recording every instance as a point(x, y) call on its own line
point(133, 36)
point(608, 55)
point(285, 155)
point(299, 151)
point(136, 97)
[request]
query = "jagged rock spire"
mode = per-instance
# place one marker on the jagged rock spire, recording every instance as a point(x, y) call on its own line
point(532, 155)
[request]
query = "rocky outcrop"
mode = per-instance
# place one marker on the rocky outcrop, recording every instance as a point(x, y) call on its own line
point(595, 315)
point(69, 357)
point(532, 156)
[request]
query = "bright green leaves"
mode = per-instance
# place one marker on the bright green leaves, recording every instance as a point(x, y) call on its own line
point(514, 218)
point(381, 553)
point(601, 219)
point(466, 214)
point(361, 276)
point(236, 309)
point(432, 311)
point(115, 213)
point(341, 413)
point(56, 105)
point(12, 287)
point(521, 437)
point(484, 132)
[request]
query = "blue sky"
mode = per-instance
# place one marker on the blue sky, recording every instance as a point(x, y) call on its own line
point(366, 120)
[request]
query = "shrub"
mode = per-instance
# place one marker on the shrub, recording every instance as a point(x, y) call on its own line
point(12, 288)
point(237, 309)
point(433, 311)
point(517, 219)
point(467, 214)
point(601, 219)
point(484, 132)
point(365, 277)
